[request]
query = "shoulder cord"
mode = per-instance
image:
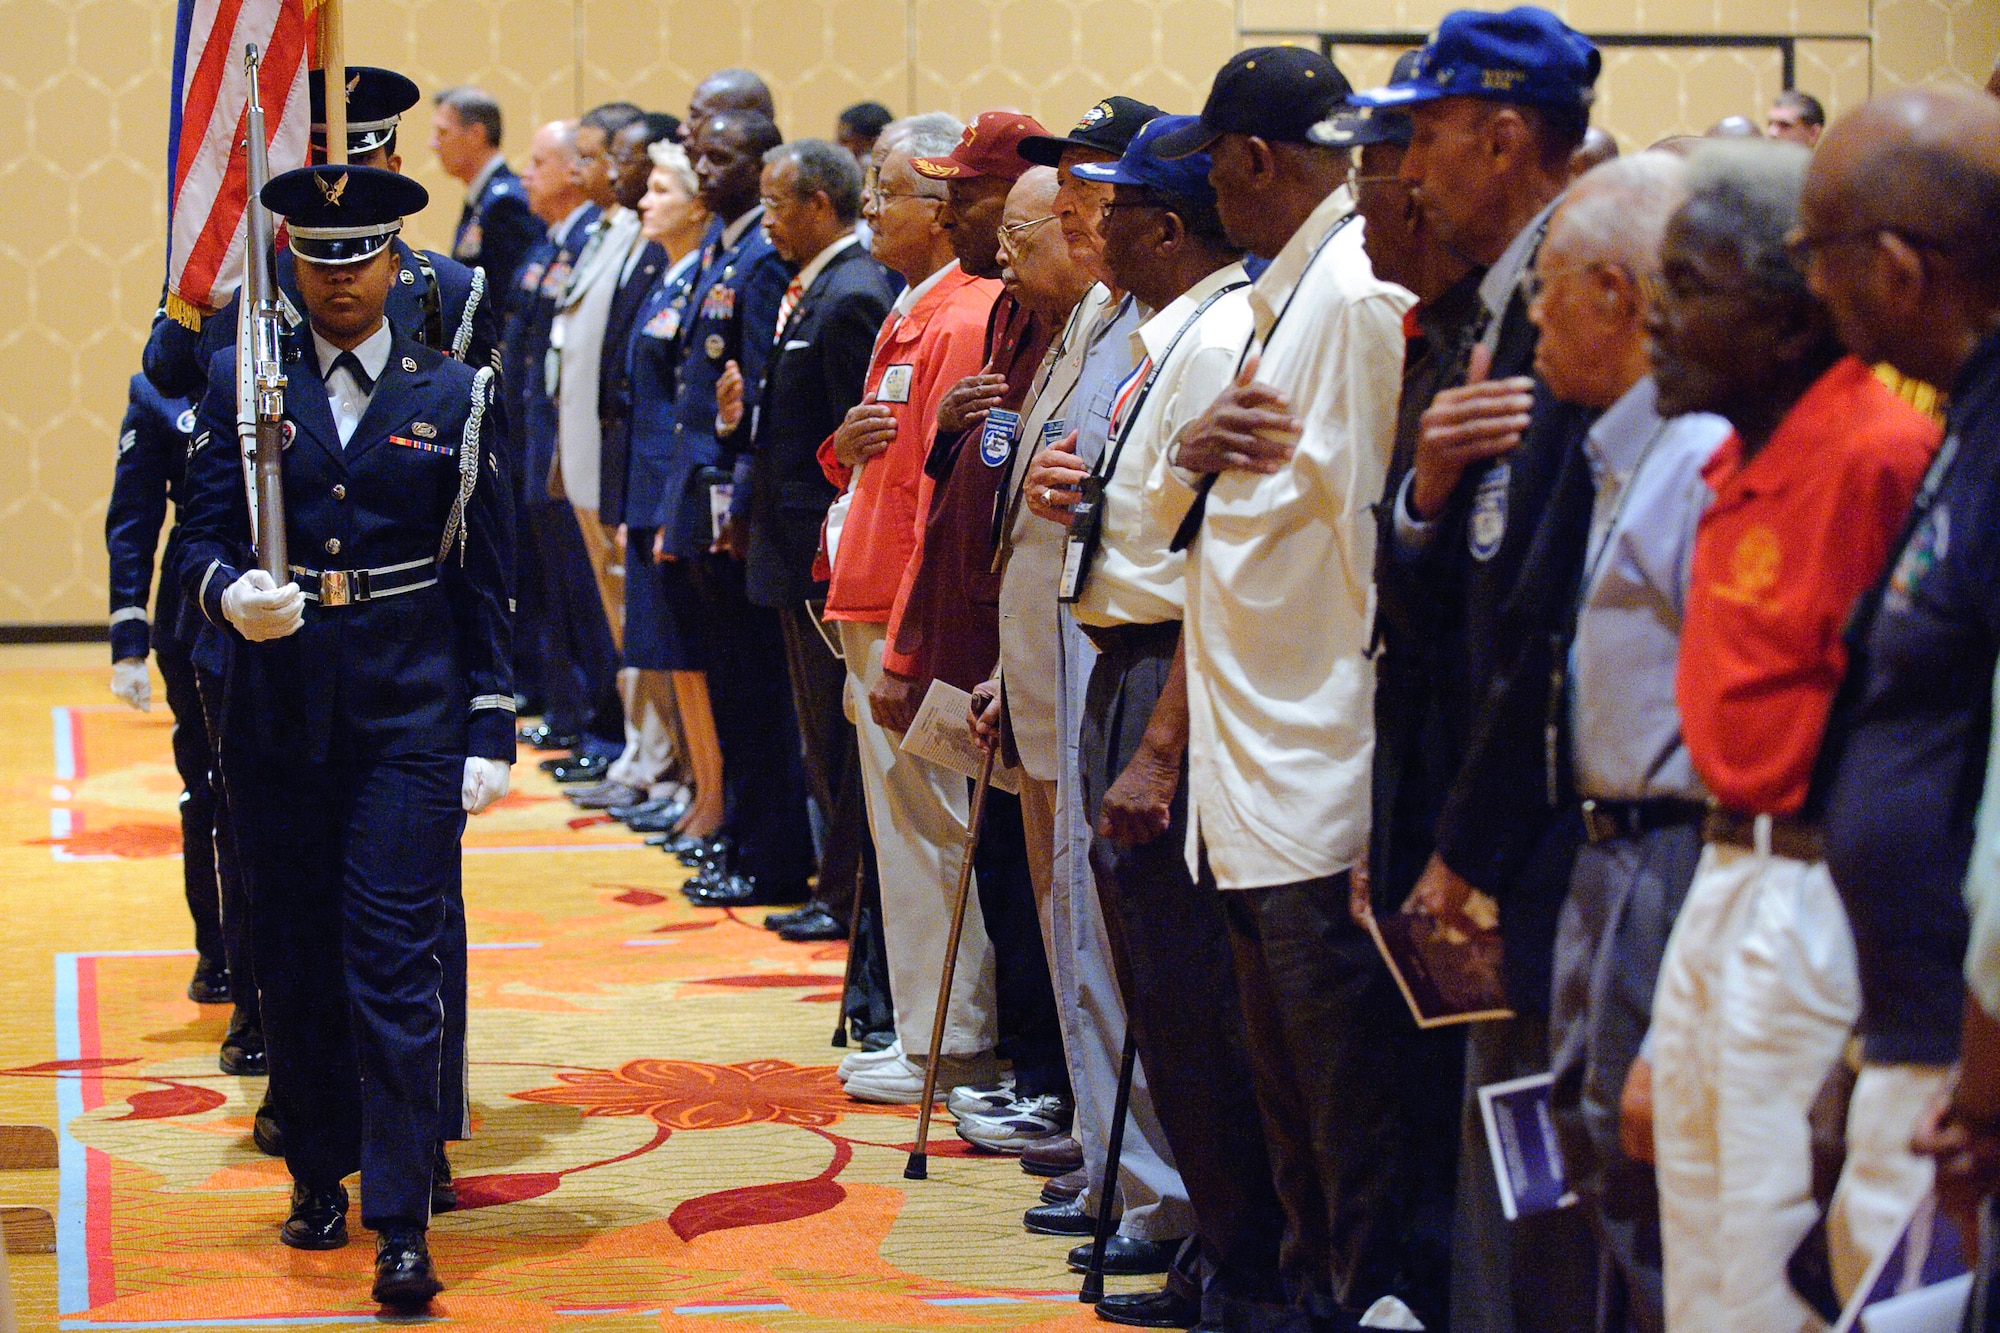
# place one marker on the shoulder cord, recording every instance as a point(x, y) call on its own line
point(468, 467)
point(463, 340)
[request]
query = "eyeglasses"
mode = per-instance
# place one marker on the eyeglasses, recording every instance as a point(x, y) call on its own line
point(1014, 234)
point(1801, 246)
point(880, 198)
point(1355, 180)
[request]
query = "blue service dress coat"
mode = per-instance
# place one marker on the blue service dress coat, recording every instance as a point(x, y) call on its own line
point(496, 228)
point(152, 462)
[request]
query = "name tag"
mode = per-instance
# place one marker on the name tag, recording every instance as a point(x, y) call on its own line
point(996, 440)
point(1052, 433)
point(895, 385)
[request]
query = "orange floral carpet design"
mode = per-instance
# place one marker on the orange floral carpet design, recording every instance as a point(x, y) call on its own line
point(660, 1140)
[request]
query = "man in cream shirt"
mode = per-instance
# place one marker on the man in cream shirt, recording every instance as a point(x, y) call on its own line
point(1279, 686)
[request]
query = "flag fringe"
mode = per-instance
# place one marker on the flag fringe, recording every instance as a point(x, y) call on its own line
point(183, 312)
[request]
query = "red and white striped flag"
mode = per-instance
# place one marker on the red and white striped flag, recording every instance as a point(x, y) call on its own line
point(205, 140)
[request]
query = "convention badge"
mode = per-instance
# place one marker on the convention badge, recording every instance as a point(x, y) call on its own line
point(184, 423)
point(714, 346)
point(1052, 433)
point(1927, 546)
point(1488, 525)
point(1086, 530)
point(996, 441)
point(895, 385)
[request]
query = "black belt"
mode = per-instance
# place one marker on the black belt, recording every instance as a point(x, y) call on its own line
point(1605, 820)
point(1791, 837)
point(340, 587)
point(1132, 640)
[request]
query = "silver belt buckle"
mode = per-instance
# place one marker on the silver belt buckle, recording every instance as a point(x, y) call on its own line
point(333, 590)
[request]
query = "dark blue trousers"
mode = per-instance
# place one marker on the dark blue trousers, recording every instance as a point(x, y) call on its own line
point(579, 658)
point(354, 864)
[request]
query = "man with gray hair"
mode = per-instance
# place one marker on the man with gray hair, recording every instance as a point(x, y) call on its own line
point(496, 227)
point(1641, 801)
point(1758, 990)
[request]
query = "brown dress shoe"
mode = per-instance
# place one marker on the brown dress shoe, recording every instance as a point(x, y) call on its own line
point(1066, 1186)
point(1056, 1158)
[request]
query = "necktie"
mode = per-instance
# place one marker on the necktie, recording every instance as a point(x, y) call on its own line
point(351, 363)
point(786, 305)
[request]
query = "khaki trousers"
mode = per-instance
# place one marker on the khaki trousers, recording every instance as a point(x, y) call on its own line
point(917, 813)
point(652, 722)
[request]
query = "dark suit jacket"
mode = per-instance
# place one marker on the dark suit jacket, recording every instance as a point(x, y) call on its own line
point(815, 374)
point(424, 670)
point(614, 383)
point(496, 230)
point(1501, 618)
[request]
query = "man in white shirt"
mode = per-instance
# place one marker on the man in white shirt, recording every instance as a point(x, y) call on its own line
point(1279, 687)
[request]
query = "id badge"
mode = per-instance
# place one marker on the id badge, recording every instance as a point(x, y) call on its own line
point(720, 495)
point(1086, 528)
point(1052, 433)
point(996, 440)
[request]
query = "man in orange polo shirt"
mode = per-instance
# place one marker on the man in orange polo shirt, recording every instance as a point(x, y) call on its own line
point(932, 339)
point(1758, 990)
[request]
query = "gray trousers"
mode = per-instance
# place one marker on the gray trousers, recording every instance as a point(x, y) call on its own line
point(1624, 894)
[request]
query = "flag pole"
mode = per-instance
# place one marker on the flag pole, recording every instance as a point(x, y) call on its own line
point(333, 60)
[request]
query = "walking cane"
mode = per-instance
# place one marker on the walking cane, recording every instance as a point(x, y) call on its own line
point(918, 1169)
point(853, 939)
point(1093, 1279)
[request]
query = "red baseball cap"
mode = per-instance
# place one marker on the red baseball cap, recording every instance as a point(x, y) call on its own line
point(991, 146)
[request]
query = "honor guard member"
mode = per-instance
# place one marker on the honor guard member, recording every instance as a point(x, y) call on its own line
point(438, 301)
point(496, 227)
point(150, 471)
point(370, 707)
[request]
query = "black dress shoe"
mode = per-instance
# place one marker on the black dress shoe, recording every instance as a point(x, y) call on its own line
point(1126, 1257)
point(444, 1194)
point(266, 1132)
point(1061, 1219)
point(582, 768)
point(243, 1048)
point(210, 984)
point(721, 890)
point(404, 1277)
point(662, 820)
point(543, 737)
point(318, 1220)
point(650, 805)
point(815, 923)
point(779, 920)
point(550, 765)
point(695, 853)
point(1150, 1309)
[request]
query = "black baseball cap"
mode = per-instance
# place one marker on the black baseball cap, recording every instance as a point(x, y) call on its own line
point(342, 214)
point(1107, 127)
point(1277, 93)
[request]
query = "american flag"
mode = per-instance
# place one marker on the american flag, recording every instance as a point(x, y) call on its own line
point(206, 178)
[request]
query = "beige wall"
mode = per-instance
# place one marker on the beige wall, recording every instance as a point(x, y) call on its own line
point(82, 141)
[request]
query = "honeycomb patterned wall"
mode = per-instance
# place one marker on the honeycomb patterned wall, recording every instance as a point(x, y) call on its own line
point(83, 88)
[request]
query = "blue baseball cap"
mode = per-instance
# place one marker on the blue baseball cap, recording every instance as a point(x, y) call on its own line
point(1526, 56)
point(1186, 177)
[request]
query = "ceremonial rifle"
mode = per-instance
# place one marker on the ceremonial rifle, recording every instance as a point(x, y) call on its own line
point(260, 365)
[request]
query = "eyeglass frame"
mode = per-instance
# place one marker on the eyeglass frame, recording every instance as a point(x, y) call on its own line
point(1008, 230)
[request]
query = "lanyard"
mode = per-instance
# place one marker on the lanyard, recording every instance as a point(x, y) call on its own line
point(1185, 534)
point(1106, 465)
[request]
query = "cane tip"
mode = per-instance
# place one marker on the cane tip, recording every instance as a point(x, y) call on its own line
point(840, 1038)
point(918, 1168)
point(1093, 1289)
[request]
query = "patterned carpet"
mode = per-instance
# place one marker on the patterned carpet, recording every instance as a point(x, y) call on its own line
point(660, 1140)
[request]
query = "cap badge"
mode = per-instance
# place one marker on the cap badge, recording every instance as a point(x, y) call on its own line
point(333, 191)
point(1097, 115)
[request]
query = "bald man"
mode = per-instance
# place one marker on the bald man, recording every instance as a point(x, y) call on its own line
point(727, 90)
point(1899, 232)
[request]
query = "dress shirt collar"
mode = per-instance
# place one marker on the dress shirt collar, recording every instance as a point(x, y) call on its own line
point(373, 354)
point(1152, 337)
point(1282, 278)
point(1496, 289)
point(561, 229)
point(817, 264)
point(906, 301)
point(1617, 440)
point(485, 174)
point(733, 233)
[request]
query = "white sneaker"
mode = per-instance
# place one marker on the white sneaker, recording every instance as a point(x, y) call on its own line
point(1023, 1121)
point(970, 1100)
point(901, 1082)
point(858, 1060)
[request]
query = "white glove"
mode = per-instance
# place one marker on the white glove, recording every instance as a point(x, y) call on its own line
point(261, 610)
point(485, 782)
point(130, 682)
